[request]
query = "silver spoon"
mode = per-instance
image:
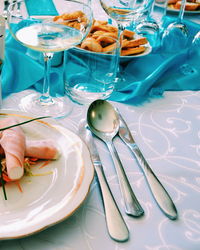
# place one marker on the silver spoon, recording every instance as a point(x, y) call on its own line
point(104, 123)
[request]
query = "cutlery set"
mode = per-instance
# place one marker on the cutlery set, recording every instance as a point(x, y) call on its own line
point(106, 122)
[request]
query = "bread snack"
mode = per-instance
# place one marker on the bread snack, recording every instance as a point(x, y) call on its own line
point(91, 44)
point(191, 5)
point(102, 35)
point(75, 19)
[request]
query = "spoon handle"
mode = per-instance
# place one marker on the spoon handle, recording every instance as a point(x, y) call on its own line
point(132, 206)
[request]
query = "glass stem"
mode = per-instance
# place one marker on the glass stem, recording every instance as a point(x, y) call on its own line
point(181, 12)
point(121, 28)
point(165, 9)
point(150, 10)
point(45, 98)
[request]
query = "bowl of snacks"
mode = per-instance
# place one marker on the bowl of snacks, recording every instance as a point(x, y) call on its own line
point(99, 39)
point(132, 46)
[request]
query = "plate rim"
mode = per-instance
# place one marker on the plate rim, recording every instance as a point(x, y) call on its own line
point(89, 179)
point(148, 46)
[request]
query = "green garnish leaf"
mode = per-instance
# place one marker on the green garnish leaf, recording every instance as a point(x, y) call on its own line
point(22, 123)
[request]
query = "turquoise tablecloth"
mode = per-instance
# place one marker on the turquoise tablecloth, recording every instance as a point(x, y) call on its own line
point(148, 77)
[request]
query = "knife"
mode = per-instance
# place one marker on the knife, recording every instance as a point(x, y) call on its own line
point(115, 223)
point(159, 193)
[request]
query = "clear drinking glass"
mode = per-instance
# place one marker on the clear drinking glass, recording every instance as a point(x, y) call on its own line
point(46, 33)
point(125, 13)
point(90, 75)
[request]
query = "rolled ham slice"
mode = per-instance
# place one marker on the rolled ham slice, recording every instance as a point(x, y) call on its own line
point(12, 142)
point(41, 149)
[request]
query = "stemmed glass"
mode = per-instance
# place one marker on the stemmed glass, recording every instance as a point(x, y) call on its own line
point(175, 36)
point(149, 27)
point(124, 12)
point(65, 27)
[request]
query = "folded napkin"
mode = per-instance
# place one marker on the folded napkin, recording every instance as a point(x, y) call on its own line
point(146, 77)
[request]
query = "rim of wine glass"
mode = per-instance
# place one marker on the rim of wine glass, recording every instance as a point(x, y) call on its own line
point(131, 11)
point(11, 10)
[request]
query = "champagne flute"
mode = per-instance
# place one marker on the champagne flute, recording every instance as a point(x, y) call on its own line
point(124, 12)
point(67, 26)
point(175, 36)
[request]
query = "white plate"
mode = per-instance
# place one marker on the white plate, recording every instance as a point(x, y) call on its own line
point(176, 10)
point(49, 199)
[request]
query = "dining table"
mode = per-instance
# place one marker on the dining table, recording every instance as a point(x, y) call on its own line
point(167, 131)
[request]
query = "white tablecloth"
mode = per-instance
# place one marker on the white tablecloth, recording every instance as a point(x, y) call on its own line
point(168, 133)
point(167, 130)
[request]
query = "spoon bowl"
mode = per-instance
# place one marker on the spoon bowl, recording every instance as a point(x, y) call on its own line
point(103, 121)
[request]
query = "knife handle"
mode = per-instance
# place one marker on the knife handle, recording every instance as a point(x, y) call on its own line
point(160, 194)
point(132, 205)
point(115, 223)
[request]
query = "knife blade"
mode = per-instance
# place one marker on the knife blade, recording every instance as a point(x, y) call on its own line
point(161, 196)
point(116, 225)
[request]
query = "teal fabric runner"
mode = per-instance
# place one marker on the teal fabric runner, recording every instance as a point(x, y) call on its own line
point(40, 7)
point(146, 77)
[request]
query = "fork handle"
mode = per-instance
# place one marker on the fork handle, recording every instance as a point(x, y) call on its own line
point(160, 194)
point(115, 223)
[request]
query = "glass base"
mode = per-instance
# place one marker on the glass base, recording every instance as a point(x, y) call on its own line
point(147, 27)
point(57, 108)
point(121, 80)
point(85, 95)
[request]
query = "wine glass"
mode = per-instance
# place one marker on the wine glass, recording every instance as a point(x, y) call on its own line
point(57, 29)
point(149, 27)
point(125, 13)
point(175, 36)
